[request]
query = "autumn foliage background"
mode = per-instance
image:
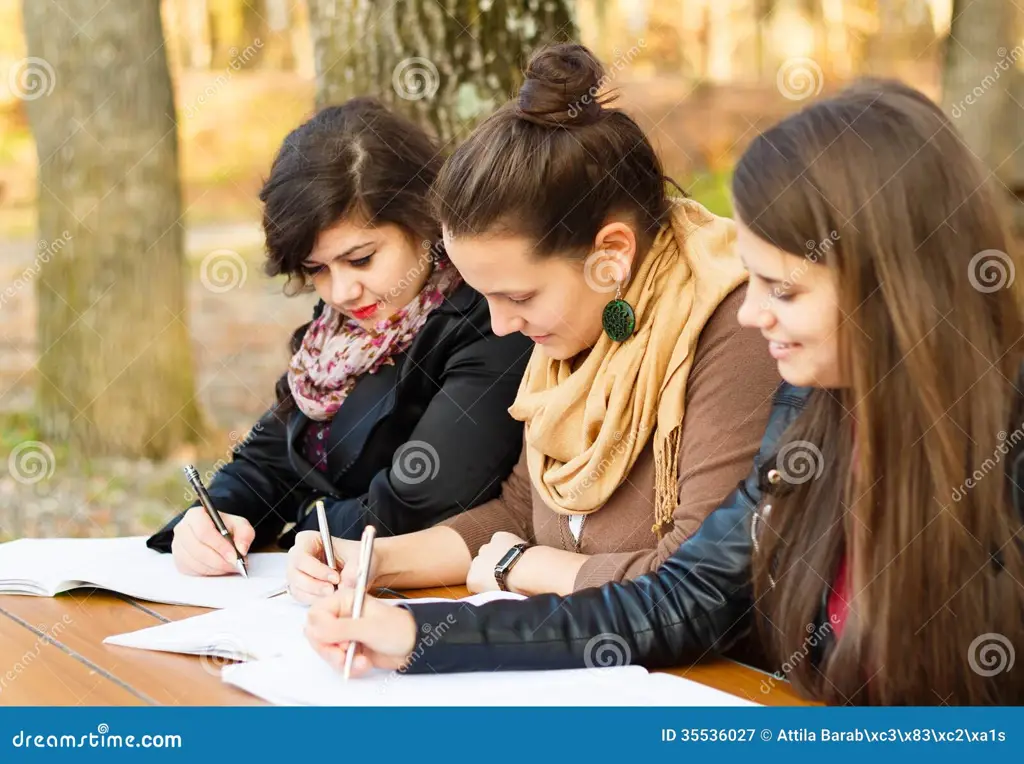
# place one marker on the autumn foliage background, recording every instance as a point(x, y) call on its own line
point(702, 76)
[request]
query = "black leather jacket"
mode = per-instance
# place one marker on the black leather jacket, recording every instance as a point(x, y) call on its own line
point(413, 444)
point(699, 602)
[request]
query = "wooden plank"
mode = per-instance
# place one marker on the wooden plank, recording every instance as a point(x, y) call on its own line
point(742, 681)
point(163, 678)
point(35, 671)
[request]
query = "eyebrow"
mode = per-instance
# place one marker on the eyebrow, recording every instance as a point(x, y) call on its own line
point(764, 278)
point(346, 253)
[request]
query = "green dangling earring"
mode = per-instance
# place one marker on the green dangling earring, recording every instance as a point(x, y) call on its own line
point(618, 318)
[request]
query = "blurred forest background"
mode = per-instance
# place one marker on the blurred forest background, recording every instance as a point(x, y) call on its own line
point(136, 328)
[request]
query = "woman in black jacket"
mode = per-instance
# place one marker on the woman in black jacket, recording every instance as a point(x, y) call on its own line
point(396, 380)
point(876, 547)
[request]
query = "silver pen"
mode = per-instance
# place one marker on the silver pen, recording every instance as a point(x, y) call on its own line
point(325, 534)
point(365, 560)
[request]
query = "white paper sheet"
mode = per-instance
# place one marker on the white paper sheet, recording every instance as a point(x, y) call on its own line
point(46, 567)
point(301, 678)
point(257, 630)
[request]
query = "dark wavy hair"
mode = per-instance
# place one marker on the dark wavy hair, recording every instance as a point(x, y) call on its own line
point(359, 161)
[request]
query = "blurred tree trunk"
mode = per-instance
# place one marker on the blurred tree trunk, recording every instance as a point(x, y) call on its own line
point(234, 24)
point(115, 371)
point(254, 27)
point(982, 88)
point(278, 52)
point(446, 63)
point(762, 11)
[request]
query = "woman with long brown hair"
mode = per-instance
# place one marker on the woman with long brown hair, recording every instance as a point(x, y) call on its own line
point(880, 531)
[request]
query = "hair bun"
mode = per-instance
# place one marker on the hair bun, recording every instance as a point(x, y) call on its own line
point(561, 87)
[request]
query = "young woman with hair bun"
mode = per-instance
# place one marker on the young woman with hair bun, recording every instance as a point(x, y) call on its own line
point(644, 398)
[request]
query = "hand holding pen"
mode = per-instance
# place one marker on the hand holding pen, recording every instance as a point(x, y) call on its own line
point(350, 620)
point(207, 542)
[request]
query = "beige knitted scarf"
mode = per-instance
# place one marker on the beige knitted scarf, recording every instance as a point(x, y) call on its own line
point(586, 427)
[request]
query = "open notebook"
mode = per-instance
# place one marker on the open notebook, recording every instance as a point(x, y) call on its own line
point(302, 678)
point(46, 567)
point(254, 631)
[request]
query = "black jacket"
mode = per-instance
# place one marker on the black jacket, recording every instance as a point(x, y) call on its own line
point(700, 601)
point(413, 444)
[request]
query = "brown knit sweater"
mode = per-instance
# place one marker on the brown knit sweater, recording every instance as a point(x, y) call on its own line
point(728, 400)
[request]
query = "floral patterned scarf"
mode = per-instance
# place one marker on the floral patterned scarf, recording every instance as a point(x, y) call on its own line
point(336, 350)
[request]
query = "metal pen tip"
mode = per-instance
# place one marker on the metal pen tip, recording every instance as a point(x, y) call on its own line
point(241, 568)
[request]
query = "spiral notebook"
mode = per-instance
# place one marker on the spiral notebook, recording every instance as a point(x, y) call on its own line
point(47, 567)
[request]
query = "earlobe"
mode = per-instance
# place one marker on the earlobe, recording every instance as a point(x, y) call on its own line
point(617, 241)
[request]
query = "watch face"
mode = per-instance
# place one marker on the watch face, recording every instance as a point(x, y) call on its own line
point(510, 555)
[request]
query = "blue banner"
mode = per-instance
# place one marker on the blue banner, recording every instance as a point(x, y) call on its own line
point(236, 735)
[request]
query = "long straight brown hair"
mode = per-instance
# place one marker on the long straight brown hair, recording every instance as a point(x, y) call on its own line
point(908, 463)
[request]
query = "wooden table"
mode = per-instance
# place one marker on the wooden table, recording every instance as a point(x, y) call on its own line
point(52, 654)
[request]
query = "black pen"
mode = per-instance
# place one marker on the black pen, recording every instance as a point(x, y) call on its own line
point(197, 485)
